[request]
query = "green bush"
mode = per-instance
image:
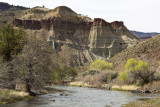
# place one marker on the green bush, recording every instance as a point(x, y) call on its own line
point(123, 76)
point(101, 65)
point(63, 73)
point(138, 71)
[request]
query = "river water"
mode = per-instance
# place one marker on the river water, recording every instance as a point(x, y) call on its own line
point(80, 97)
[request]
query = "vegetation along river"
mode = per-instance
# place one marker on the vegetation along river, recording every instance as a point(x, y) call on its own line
point(81, 97)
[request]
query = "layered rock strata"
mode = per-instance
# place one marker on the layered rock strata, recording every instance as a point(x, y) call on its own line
point(101, 38)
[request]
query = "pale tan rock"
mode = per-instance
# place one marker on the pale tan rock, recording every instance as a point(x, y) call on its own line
point(66, 27)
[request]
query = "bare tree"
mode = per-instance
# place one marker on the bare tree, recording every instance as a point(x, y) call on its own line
point(33, 66)
point(8, 76)
point(35, 63)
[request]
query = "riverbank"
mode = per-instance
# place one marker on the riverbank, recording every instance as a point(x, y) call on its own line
point(10, 96)
point(79, 97)
point(107, 86)
point(155, 102)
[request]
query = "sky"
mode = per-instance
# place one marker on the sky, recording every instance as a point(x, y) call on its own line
point(139, 15)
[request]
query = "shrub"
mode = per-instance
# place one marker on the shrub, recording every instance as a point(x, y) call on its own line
point(63, 73)
point(88, 79)
point(157, 76)
point(123, 76)
point(139, 71)
point(93, 80)
point(111, 55)
point(101, 65)
point(153, 87)
point(108, 76)
point(90, 72)
point(101, 78)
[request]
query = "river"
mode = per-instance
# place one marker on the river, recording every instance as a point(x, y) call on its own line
point(80, 97)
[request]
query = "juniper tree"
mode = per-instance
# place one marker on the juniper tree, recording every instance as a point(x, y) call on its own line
point(11, 41)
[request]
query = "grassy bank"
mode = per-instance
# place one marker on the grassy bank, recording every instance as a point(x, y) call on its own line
point(124, 87)
point(148, 103)
point(9, 96)
point(106, 86)
point(79, 84)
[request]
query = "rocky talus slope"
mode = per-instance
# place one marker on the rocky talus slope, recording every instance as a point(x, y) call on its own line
point(62, 26)
point(148, 51)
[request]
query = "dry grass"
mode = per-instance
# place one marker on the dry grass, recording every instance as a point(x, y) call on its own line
point(19, 94)
point(8, 96)
point(79, 84)
point(125, 87)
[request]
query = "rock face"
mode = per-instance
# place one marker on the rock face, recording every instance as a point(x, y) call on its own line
point(64, 26)
point(108, 39)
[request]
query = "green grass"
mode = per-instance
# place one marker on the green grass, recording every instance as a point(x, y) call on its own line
point(117, 89)
point(155, 102)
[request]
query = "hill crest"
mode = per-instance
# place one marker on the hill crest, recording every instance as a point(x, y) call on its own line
point(7, 7)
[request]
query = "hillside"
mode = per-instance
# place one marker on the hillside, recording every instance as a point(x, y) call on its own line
point(61, 12)
point(144, 35)
point(8, 7)
point(148, 51)
point(9, 12)
point(9, 16)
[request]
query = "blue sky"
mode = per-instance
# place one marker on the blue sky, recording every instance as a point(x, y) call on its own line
point(140, 15)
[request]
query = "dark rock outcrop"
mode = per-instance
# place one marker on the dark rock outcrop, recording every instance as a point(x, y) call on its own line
point(28, 24)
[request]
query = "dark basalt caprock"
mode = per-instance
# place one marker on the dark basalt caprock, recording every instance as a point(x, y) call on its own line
point(117, 25)
point(27, 24)
point(100, 22)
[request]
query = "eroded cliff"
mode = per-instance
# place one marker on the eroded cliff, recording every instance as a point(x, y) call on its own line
point(66, 27)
